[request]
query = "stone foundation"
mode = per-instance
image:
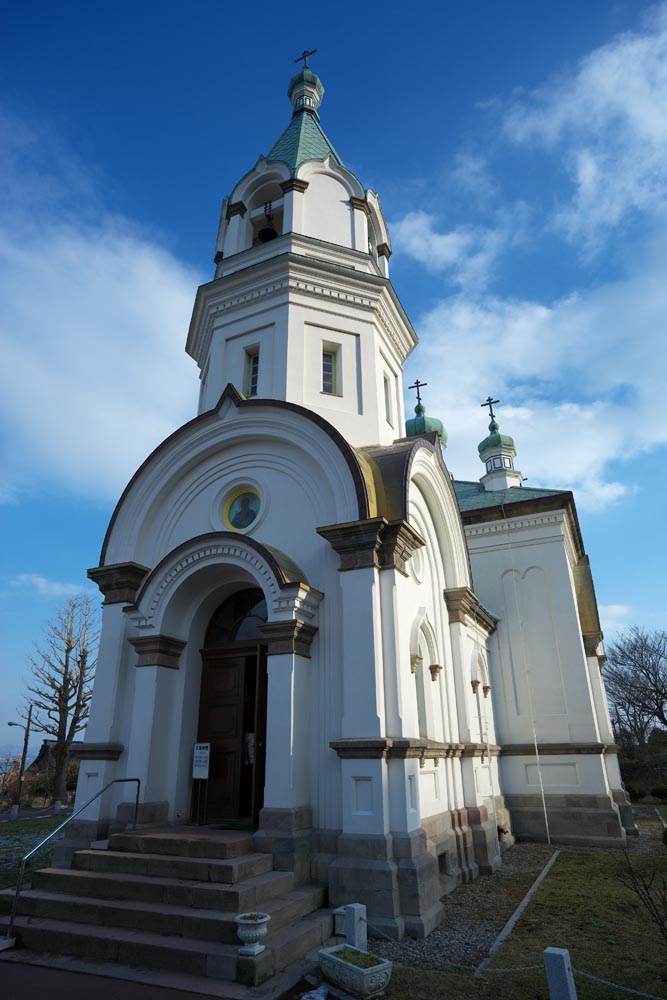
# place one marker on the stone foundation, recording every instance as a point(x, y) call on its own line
point(624, 806)
point(288, 835)
point(394, 876)
point(579, 820)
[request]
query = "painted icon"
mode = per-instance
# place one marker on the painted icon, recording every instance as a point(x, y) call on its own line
point(243, 510)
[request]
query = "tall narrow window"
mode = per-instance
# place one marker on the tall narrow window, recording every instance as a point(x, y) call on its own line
point(329, 370)
point(387, 401)
point(251, 371)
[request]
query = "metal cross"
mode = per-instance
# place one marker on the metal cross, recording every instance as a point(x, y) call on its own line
point(304, 55)
point(418, 385)
point(489, 402)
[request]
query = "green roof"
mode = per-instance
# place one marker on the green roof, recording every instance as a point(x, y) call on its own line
point(421, 424)
point(302, 140)
point(473, 496)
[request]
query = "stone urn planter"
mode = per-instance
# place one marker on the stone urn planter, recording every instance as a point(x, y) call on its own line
point(355, 971)
point(251, 928)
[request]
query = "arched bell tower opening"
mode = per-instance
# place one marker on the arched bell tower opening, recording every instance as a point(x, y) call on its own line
point(232, 707)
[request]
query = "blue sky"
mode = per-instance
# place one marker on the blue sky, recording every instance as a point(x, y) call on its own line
point(518, 149)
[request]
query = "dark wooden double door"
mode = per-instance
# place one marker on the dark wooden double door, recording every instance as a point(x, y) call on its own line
point(232, 718)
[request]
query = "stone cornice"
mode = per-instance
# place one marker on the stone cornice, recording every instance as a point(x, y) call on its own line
point(556, 749)
point(388, 747)
point(119, 582)
point(288, 637)
point(384, 250)
point(96, 751)
point(361, 204)
point(373, 543)
point(294, 184)
point(236, 208)
point(292, 271)
point(398, 543)
point(463, 607)
point(158, 651)
point(356, 542)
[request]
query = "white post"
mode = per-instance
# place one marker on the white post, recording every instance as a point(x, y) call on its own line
point(356, 927)
point(560, 977)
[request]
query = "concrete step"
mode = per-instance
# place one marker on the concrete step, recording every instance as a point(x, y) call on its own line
point(186, 843)
point(230, 871)
point(128, 947)
point(160, 918)
point(251, 894)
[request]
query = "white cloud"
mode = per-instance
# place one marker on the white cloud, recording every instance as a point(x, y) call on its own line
point(44, 587)
point(467, 255)
point(607, 124)
point(94, 321)
point(614, 617)
point(579, 379)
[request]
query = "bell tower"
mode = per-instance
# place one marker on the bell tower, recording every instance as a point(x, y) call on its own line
point(301, 307)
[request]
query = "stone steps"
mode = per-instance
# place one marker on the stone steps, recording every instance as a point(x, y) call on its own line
point(251, 894)
point(160, 918)
point(231, 871)
point(183, 955)
point(166, 900)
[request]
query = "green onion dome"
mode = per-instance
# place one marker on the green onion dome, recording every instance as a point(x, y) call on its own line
point(495, 440)
point(420, 424)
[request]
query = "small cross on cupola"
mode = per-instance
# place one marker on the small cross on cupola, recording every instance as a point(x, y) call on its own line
point(305, 89)
point(497, 452)
point(420, 425)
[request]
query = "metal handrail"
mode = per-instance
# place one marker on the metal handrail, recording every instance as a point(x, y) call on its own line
point(116, 781)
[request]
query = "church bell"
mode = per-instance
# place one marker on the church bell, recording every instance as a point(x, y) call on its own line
point(268, 231)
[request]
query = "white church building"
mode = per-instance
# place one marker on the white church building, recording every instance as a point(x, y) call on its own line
point(397, 673)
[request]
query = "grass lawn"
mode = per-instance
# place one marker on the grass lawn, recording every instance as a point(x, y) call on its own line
point(583, 906)
point(18, 837)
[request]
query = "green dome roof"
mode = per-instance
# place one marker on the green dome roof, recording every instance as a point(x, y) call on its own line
point(306, 76)
point(420, 424)
point(495, 440)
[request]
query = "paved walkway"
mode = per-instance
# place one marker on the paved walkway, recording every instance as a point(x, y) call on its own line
point(20, 982)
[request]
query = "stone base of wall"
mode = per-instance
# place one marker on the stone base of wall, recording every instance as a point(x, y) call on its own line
point(288, 835)
point(394, 876)
point(450, 841)
point(580, 820)
point(624, 806)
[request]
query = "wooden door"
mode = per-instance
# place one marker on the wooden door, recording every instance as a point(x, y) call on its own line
point(232, 718)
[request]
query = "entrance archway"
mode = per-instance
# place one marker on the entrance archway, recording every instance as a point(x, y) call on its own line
point(232, 707)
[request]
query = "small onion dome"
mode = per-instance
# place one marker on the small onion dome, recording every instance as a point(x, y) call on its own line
point(420, 424)
point(495, 440)
point(305, 90)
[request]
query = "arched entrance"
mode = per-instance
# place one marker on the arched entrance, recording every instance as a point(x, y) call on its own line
point(232, 707)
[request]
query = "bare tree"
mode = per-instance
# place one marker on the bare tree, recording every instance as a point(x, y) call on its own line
point(636, 681)
point(62, 677)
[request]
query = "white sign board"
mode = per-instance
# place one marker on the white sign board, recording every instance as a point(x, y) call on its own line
point(200, 760)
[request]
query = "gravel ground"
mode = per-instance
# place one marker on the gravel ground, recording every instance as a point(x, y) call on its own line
point(476, 913)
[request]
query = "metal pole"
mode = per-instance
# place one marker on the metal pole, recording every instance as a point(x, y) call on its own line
point(26, 737)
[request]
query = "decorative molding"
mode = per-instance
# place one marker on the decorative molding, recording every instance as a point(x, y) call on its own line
point(415, 662)
point(236, 208)
point(399, 542)
point(158, 651)
point(556, 749)
point(361, 204)
point(462, 605)
point(373, 542)
point(384, 250)
point(487, 690)
point(96, 751)
point(219, 255)
point(356, 542)
point(592, 641)
point(294, 184)
point(288, 637)
point(435, 669)
point(119, 582)
point(475, 685)
point(481, 750)
point(401, 748)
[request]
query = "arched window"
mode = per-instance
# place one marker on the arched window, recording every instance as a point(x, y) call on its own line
point(238, 619)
